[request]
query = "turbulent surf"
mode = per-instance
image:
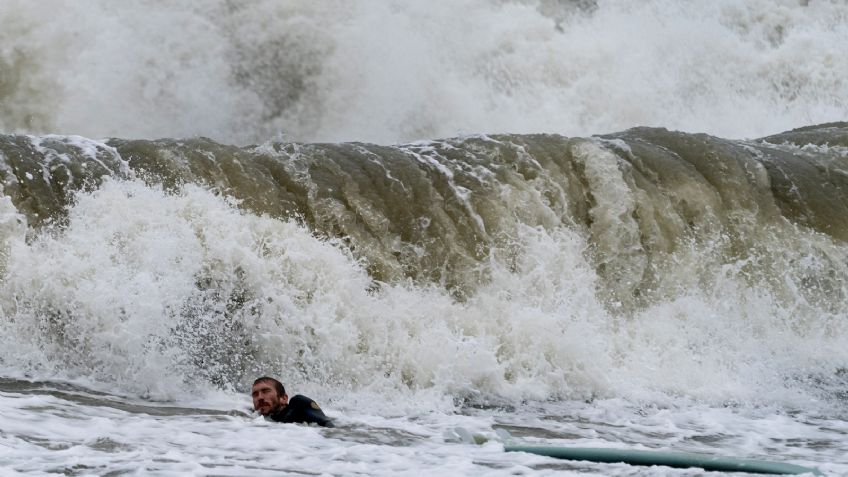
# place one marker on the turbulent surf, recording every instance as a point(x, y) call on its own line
point(517, 233)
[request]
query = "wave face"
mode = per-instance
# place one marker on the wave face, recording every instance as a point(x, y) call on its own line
point(242, 72)
point(493, 268)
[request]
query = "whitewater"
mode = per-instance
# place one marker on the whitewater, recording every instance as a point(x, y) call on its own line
point(588, 223)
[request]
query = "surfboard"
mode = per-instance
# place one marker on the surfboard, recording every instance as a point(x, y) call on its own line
point(668, 459)
point(643, 457)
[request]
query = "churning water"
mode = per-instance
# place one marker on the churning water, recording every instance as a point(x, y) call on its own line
point(538, 272)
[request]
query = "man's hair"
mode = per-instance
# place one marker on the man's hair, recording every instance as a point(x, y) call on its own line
point(277, 385)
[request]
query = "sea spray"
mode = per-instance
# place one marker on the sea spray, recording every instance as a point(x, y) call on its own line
point(333, 71)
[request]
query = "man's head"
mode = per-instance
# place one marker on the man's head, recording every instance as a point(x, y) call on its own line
point(269, 395)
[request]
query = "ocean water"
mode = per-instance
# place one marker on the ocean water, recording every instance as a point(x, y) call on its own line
point(598, 224)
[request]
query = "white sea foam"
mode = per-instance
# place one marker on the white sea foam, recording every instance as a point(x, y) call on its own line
point(331, 71)
point(97, 302)
point(50, 434)
point(142, 288)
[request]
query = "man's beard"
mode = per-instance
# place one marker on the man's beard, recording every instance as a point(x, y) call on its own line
point(271, 408)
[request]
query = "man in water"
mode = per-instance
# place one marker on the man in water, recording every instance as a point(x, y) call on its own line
point(270, 400)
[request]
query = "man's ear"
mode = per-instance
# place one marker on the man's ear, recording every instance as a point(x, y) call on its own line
point(284, 399)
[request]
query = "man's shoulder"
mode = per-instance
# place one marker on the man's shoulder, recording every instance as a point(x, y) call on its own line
point(307, 410)
point(301, 401)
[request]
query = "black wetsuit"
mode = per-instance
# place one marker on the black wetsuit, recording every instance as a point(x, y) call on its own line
point(301, 409)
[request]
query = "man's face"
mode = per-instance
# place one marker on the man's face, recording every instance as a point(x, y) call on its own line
point(265, 398)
